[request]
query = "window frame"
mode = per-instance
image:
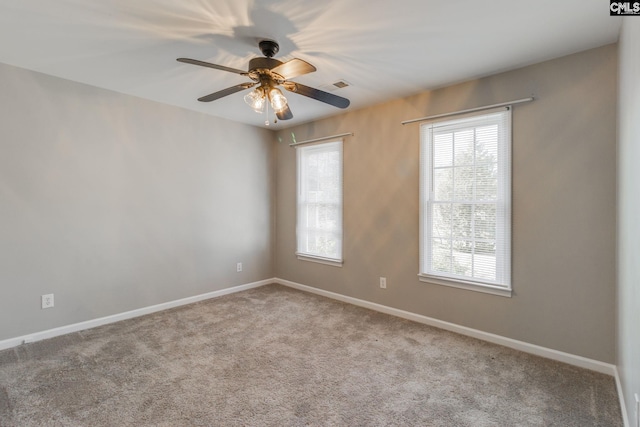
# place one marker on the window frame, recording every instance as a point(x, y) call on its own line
point(300, 152)
point(502, 287)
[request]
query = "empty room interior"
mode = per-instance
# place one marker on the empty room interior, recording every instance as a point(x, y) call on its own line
point(279, 212)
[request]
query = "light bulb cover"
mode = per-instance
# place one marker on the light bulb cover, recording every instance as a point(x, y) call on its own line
point(278, 101)
point(256, 99)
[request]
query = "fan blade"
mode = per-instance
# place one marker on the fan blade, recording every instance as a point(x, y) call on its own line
point(293, 68)
point(285, 114)
point(328, 98)
point(210, 65)
point(228, 91)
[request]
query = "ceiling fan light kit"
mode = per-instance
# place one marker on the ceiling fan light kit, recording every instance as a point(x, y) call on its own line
point(269, 73)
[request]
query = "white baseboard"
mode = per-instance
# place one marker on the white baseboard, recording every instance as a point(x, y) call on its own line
point(537, 350)
point(560, 356)
point(623, 405)
point(37, 336)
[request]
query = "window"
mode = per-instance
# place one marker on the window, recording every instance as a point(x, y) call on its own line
point(465, 188)
point(319, 215)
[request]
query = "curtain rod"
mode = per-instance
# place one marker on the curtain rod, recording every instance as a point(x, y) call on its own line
point(470, 110)
point(324, 138)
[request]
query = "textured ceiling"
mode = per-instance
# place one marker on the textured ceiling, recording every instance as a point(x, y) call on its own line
point(383, 49)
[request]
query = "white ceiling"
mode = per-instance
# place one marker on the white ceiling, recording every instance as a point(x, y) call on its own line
point(384, 49)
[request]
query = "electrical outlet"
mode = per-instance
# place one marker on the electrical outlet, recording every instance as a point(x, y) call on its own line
point(239, 267)
point(47, 301)
point(383, 282)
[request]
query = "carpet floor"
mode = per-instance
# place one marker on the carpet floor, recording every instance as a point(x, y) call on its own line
point(274, 356)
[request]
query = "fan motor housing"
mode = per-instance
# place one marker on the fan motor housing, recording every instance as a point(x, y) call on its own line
point(263, 63)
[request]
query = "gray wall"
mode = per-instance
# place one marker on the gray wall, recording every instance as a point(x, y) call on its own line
point(564, 213)
point(629, 214)
point(114, 203)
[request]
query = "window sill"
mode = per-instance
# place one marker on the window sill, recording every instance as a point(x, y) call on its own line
point(470, 286)
point(320, 260)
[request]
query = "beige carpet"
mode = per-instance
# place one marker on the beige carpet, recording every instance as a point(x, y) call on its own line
point(273, 356)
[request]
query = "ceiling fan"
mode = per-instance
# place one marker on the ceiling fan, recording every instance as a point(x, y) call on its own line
point(267, 74)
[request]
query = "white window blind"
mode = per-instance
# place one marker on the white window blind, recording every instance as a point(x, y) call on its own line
point(319, 211)
point(465, 219)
